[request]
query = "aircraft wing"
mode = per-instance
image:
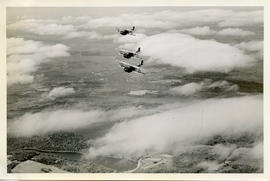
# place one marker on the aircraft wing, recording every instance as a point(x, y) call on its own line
point(125, 64)
point(126, 51)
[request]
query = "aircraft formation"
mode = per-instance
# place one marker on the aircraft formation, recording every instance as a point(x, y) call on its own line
point(127, 54)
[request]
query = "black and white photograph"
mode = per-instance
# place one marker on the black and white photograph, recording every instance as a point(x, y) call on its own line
point(147, 89)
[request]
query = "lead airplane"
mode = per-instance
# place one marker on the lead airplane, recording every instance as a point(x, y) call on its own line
point(128, 54)
point(126, 31)
point(130, 68)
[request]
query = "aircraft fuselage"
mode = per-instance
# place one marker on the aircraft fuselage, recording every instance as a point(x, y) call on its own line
point(128, 55)
point(129, 69)
point(124, 32)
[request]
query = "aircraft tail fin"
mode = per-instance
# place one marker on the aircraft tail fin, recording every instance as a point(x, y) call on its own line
point(139, 49)
point(133, 28)
point(140, 64)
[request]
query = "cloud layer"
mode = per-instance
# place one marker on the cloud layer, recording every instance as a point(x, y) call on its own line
point(251, 46)
point(60, 92)
point(187, 89)
point(168, 19)
point(193, 88)
point(48, 122)
point(171, 130)
point(194, 54)
point(45, 122)
point(254, 48)
point(24, 56)
point(54, 27)
point(206, 30)
point(42, 26)
point(74, 27)
point(234, 32)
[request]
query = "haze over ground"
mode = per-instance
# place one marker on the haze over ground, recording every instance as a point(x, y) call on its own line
point(204, 76)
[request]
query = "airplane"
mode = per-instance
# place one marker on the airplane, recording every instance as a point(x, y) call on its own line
point(128, 54)
point(126, 31)
point(130, 68)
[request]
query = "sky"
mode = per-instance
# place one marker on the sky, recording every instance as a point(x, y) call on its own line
point(66, 54)
point(188, 29)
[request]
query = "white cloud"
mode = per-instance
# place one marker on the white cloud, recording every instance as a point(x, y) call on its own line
point(128, 46)
point(76, 34)
point(60, 92)
point(209, 16)
point(76, 20)
point(141, 92)
point(53, 29)
point(193, 88)
point(68, 31)
point(187, 89)
point(67, 120)
point(41, 27)
point(256, 151)
point(193, 54)
point(24, 56)
point(249, 155)
point(205, 30)
point(209, 165)
point(130, 39)
point(243, 18)
point(129, 42)
point(166, 19)
point(49, 121)
point(224, 85)
point(224, 151)
point(172, 130)
point(89, 35)
point(145, 20)
point(251, 45)
point(14, 46)
point(46, 122)
point(234, 32)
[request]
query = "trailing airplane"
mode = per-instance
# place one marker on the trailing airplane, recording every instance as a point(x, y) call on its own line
point(130, 68)
point(126, 31)
point(128, 54)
